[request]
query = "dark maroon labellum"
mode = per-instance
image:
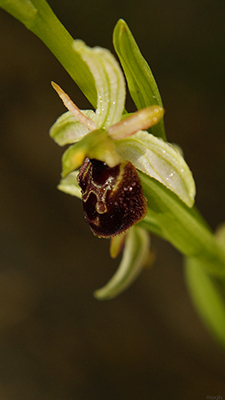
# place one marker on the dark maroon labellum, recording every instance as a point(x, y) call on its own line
point(112, 198)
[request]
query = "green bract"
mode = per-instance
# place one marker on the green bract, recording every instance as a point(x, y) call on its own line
point(141, 83)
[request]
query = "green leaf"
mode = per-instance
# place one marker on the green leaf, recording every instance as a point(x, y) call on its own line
point(109, 82)
point(67, 129)
point(141, 83)
point(208, 297)
point(160, 161)
point(70, 185)
point(134, 258)
point(171, 219)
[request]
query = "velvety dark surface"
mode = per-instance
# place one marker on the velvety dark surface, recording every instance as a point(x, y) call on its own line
point(56, 341)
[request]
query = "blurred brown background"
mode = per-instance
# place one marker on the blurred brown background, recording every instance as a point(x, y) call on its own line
point(56, 341)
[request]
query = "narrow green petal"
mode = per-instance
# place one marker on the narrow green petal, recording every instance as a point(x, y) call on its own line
point(70, 186)
point(141, 83)
point(69, 104)
point(109, 81)
point(67, 129)
point(208, 298)
point(135, 256)
point(139, 120)
point(160, 161)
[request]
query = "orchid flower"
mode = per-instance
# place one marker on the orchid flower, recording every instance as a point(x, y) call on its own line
point(107, 146)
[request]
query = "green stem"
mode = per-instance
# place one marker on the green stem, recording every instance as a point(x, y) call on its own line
point(183, 227)
point(39, 18)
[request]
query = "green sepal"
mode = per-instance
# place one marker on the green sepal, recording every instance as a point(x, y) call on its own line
point(109, 83)
point(70, 185)
point(161, 161)
point(67, 129)
point(135, 256)
point(141, 83)
point(208, 297)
